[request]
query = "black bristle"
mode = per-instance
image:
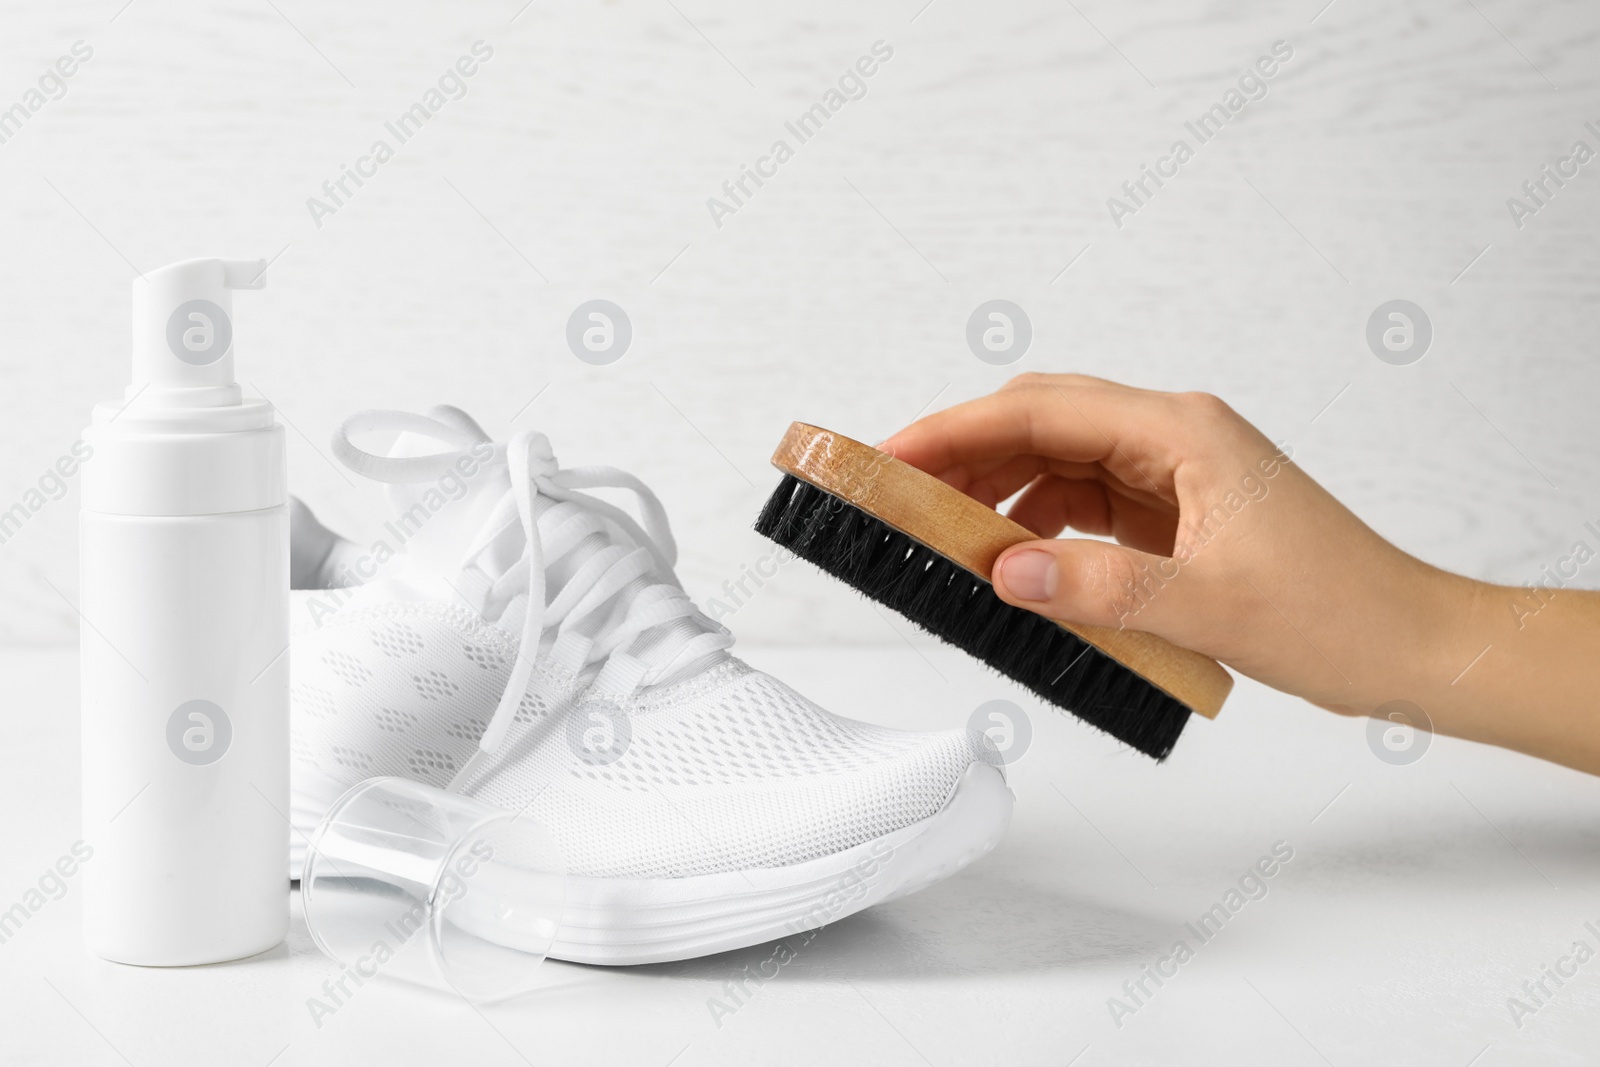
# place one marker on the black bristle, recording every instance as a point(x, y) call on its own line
point(961, 608)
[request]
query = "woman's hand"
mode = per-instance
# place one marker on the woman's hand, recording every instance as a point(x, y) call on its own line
point(1226, 547)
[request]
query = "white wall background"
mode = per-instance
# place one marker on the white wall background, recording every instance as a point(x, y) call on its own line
point(981, 159)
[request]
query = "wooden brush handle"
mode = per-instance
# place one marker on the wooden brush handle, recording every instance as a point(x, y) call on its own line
point(964, 531)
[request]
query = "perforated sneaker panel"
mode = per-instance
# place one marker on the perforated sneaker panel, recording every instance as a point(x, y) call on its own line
point(728, 770)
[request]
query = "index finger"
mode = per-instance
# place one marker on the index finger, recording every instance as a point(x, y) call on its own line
point(1082, 420)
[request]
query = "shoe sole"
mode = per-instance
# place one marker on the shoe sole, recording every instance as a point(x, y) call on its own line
point(627, 921)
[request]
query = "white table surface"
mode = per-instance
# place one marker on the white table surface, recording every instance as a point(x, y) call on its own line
point(1418, 900)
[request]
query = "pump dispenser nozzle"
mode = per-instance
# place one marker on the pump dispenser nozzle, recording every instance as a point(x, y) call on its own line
point(183, 331)
point(184, 439)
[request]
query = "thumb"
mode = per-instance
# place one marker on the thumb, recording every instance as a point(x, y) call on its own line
point(1100, 584)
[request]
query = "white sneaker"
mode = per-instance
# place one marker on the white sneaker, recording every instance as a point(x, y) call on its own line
point(516, 639)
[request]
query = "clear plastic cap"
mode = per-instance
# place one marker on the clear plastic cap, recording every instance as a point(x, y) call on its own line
point(415, 883)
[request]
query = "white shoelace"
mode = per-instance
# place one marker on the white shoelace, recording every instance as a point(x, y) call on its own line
point(627, 570)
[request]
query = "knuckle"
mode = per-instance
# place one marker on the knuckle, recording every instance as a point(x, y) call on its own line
point(1119, 581)
point(1043, 380)
point(1206, 408)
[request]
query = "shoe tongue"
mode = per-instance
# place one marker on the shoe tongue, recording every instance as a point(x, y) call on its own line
point(438, 520)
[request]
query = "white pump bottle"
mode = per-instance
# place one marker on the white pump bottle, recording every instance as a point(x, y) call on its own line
point(184, 573)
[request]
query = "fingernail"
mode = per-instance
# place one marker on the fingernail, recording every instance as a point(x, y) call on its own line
point(1030, 575)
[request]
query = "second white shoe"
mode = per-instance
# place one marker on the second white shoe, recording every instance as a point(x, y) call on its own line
point(515, 638)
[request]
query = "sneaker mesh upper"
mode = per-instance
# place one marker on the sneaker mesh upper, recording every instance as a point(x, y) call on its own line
point(727, 770)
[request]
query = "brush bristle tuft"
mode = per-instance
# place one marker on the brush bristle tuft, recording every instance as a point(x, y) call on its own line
point(957, 606)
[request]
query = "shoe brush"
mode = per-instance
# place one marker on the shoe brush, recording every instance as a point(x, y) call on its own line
point(914, 544)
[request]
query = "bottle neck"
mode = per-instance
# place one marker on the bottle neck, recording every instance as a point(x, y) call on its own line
point(152, 410)
point(153, 395)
